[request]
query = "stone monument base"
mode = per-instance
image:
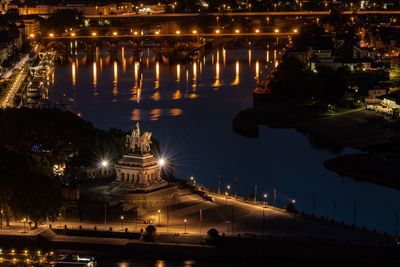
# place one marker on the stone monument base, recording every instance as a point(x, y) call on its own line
point(148, 201)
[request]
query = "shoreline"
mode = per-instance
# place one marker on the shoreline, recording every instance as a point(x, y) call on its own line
point(358, 129)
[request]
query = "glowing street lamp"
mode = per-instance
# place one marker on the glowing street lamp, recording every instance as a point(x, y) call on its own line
point(217, 31)
point(185, 221)
point(265, 199)
point(257, 31)
point(94, 33)
point(159, 217)
point(24, 220)
point(178, 32)
point(295, 30)
point(104, 163)
point(73, 34)
point(237, 31)
point(276, 30)
point(122, 222)
point(115, 33)
point(51, 34)
point(194, 32)
point(31, 35)
point(161, 162)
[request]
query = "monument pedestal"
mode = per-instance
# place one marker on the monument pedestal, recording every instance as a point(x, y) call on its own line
point(139, 184)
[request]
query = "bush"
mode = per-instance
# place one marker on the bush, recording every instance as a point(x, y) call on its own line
point(290, 208)
point(149, 234)
point(213, 233)
point(213, 237)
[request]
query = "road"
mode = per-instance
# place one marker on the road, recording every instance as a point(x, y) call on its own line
point(232, 216)
point(15, 87)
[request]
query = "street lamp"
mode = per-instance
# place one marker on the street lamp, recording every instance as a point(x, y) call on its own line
point(185, 221)
point(275, 7)
point(326, 6)
point(122, 223)
point(104, 163)
point(265, 199)
point(161, 162)
point(1, 219)
point(159, 217)
point(24, 220)
point(60, 218)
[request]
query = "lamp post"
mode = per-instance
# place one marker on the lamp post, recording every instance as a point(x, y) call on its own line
point(1, 219)
point(60, 218)
point(265, 199)
point(24, 224)
point(185, 221)
point(326, 6)
point(122, 223)
point(159, 217)
point(275, 7)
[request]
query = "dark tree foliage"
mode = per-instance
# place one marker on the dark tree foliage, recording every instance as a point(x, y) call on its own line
point(51, 135)
point(25, 190)
point(62, 19)
point(294, 81)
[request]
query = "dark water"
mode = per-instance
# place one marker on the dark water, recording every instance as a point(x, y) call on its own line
point(190, 107)
point(162, 263)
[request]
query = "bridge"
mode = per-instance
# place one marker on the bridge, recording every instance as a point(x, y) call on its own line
point(247, 14)
point(136, 38)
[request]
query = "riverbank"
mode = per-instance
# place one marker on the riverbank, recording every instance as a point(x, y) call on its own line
point(225, 249)
point(376, 168)
point(360, 129)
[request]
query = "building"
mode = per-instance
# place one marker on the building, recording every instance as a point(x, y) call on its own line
point(32, 27)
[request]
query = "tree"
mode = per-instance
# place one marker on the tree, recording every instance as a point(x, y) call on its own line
point(25, 191)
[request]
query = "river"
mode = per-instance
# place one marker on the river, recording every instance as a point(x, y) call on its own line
point(189, 108)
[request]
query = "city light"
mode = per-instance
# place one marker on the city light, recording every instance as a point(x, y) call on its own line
point(51, 34)
point(157, 32)
point(276, 30)
point(217, 31)
point(295, 30)
point(237, 31)
point(115, 33)
point(31, 35)
point(72, 34)
point(161, 162)
point(104, 163)
point(178, 32)
point(94, 33)
point(257, 31)
point(194, 32)
point(135, 33)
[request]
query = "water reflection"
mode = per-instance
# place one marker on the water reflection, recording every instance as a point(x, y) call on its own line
point(257, 70)
point(94, 74)
point(73, 74)
point(237, 74)
point(157, 80)
point(115, 81)
point(178, 72)
point(249, 57)
point(194, 85)
point(123, 59)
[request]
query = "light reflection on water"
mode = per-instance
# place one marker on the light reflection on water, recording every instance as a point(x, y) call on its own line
point(189, 107)
point(160, 263)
